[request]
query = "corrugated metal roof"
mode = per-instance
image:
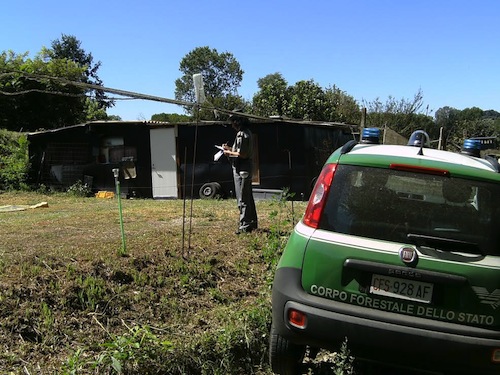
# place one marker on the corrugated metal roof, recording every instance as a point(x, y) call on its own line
point(156, 124)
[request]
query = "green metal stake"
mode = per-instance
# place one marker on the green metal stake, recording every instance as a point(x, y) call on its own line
point(116, 173)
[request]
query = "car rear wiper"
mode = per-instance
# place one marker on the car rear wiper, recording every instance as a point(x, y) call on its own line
point(442, 243)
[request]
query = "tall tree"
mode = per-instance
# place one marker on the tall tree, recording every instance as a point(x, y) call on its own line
point(341, 107)
point(447, 119)
point(222, 75)
point(35, 94)
point(69, 47)
point(307, 101)
point(271, 99)
point(29, 100)
point(304, 100)
point(471, 114)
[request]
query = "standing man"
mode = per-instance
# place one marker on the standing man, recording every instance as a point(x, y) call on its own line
point(240, 155)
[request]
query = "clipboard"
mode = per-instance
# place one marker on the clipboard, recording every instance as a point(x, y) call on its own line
point(219, 153)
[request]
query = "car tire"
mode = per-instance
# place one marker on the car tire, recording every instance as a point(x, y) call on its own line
point(285, 357)
point(209, 190)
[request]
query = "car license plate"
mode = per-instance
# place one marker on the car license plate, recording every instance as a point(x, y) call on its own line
point(401, 288)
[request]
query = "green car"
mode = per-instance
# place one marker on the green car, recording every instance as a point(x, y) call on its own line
point(399, 253)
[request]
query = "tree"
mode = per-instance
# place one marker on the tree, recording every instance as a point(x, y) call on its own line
point(171, 117)
point(30, 100)
point(69, 47)
point(467, 123)
point(403, 115)
point(44, 91)
point(271, 99)
point(403, 105)
point(341, 107)
point(222, 75)
point(471, 114)
point(447, 119)
point(93, 111)
point(307, 101)
point(304, 100)
point(494, 115)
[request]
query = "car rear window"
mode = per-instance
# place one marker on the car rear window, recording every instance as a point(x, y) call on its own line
point(435, 211)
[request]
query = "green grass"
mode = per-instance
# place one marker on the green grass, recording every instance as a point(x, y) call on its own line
point(189, 297)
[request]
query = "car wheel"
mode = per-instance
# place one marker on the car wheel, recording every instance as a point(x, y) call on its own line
point(285, 357)
point(209, 190)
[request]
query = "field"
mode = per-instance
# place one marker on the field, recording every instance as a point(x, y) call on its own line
point(182, 294)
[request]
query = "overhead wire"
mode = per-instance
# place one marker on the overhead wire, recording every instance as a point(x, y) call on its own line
point(128, 95)
point(125, 93)
point(57, 93)
point(40, 91)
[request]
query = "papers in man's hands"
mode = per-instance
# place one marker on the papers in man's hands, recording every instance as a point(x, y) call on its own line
point(219, 153)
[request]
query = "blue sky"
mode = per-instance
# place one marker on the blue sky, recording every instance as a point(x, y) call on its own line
point(370, 49)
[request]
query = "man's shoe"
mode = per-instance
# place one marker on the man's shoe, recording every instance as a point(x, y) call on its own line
point(244, 230)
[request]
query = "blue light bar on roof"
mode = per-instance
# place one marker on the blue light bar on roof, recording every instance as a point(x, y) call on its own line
point(472, 147)
point(370, 136)
point(419, 138)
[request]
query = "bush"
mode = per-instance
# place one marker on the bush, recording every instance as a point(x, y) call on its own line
point(79, 189)
point(14, 162)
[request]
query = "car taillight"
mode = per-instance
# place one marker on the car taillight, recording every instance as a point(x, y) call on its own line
point(297, 318)
point(318, 196)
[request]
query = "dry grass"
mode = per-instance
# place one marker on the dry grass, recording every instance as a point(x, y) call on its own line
point(190, 285)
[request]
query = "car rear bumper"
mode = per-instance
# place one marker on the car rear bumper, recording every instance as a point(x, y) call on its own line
point(380, 335)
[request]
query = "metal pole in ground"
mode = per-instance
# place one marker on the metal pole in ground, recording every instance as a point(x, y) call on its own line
point(116, 173)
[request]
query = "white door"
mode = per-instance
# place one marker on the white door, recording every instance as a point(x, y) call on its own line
point(163, 162)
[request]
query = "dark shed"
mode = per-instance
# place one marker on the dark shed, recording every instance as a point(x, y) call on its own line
point(162, 157)
point(89, 152)
point(287, 154)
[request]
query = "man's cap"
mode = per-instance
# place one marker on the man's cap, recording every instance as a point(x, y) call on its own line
point(235, 115)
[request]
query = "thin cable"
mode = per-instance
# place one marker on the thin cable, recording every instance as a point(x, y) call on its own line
point(92, 86)
point(42, 92)
point(129, 94)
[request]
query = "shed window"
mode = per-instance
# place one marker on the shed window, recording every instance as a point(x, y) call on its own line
point(113, 150)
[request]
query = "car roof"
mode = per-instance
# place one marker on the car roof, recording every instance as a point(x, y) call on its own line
point(427, 154)
point(377, 155)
